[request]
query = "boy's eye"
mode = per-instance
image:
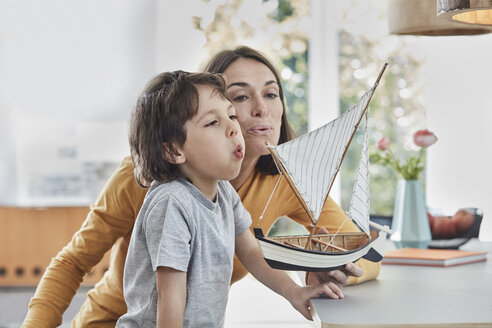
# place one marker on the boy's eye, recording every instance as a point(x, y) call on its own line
point(233, 117)
point(211, 123)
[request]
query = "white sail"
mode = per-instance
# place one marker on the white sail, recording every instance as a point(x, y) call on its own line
point(310, 164)
point(313, 160)
point(360, 202)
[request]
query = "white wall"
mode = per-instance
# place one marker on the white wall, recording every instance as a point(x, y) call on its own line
point(62, 64)
point(323, 97)
point(178, 45)
point(457, 77)
point(68, 67)
point(459, 85)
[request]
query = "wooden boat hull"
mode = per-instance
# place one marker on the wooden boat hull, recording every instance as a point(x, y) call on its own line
point(285, 257)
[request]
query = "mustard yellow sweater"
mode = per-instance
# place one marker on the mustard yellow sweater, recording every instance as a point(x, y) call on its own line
point(109, 225)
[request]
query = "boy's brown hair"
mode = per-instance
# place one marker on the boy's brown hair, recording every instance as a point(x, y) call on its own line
point(157, 122)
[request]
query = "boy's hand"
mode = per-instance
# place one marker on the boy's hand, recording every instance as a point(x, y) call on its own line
point(300, 296)
point(250, 255)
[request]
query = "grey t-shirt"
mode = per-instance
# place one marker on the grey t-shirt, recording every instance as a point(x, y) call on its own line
point(178, 227)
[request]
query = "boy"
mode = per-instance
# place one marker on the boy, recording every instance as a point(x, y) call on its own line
point(185, 140)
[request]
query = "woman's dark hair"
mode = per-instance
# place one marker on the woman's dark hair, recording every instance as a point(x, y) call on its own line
point(157, 122)
point(221, 61)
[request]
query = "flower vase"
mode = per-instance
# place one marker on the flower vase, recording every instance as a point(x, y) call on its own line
point(410, 223)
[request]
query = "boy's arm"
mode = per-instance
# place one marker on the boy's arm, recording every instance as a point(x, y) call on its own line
point(171, 297)
point(251, 257)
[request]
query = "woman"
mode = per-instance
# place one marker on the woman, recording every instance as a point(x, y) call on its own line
point(253, 86)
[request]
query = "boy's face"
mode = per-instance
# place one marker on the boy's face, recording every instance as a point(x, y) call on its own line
point(214, 146)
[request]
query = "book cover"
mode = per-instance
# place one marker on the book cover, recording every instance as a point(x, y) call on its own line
point(433, 257)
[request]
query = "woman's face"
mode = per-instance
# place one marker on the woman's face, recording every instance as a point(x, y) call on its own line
point(254, 91)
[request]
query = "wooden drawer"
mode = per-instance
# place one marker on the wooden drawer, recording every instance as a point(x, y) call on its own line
point(31, 237)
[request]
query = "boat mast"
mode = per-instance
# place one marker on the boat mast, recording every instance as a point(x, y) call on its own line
point(313, 229)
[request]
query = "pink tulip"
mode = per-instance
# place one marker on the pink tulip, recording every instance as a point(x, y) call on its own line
point(424, 138)
point(383, 144)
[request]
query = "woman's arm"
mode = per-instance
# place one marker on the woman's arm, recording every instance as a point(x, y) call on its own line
point(251, 257)
point(111, 217)
point(171, 297)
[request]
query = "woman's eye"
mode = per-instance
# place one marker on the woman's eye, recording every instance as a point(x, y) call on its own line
point(272, 95)
point(233, 117)
point(240, 98)
point(211, 123)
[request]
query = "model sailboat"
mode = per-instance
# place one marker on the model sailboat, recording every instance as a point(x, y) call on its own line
point(310, 164)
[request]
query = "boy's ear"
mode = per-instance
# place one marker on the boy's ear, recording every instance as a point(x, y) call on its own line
point(173, 154)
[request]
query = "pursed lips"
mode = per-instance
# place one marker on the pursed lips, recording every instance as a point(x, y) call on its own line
point(238, 152)
point(260, 129)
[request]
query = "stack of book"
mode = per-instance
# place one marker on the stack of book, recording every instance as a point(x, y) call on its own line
point(433, 257)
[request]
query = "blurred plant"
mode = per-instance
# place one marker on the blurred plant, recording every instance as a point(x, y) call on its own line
point(409, 170)
point(278, 28)
point(398, 105)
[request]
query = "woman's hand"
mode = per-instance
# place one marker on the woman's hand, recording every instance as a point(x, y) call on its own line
point(299, 296)
point(339, 277)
